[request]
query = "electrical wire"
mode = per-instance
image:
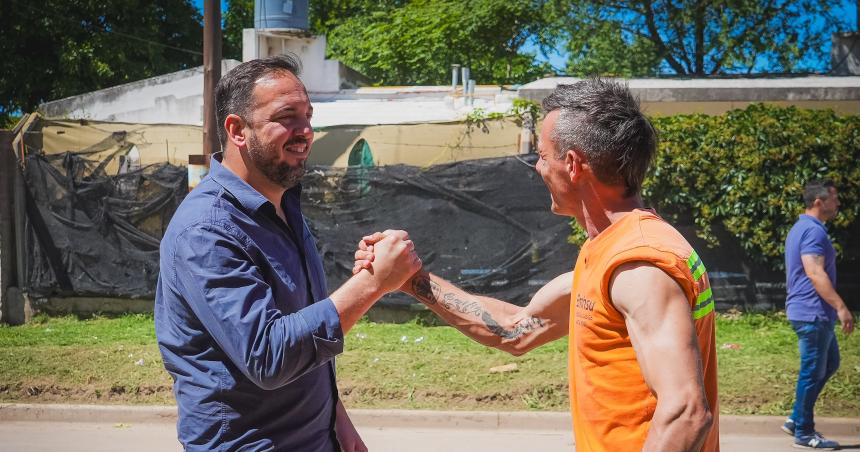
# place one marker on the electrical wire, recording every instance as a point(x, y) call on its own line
point(70, 20)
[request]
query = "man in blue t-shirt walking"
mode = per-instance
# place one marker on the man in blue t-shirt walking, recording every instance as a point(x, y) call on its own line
point(812, 307)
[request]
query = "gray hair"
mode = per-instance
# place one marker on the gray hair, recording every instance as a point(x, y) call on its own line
point(601, 119)
point(235, 91)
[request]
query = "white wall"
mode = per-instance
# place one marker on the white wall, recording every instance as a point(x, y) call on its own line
point(318, 74)
point(175, 98)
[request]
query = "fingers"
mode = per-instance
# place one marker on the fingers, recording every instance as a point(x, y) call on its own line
point(363, 260)
point(369, 240)
point(403, 235)
point(373, 238)
point(362, 265)
point(361, 255)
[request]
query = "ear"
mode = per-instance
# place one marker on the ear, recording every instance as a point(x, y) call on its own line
point(574, 162)
point(235, 127)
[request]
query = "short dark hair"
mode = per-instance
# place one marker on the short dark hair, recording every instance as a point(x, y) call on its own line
point(235, 91)
point(816, 189)
point(602, 119)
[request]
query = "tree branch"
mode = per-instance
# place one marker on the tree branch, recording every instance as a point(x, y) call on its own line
point(769, 12)
point(654, 37)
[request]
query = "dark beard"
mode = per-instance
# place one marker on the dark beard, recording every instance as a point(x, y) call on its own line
point(265, 159)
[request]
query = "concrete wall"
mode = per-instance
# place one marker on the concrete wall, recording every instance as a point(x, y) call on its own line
point(318, 74)
point(716, 96)
point(175, 98)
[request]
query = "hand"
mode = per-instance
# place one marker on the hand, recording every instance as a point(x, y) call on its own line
point(393, 259)
point(364, 252)
point(846, 319)
point(347, 435)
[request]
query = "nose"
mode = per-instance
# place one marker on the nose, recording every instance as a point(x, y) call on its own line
point(539, 166)
point(305, 129)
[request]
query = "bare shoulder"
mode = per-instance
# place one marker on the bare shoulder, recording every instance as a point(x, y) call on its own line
point(633, 284)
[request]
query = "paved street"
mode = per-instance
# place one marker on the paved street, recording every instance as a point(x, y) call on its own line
point(40, 436)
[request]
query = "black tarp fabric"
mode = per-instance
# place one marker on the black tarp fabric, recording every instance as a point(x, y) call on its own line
point(106, 229)
point(484, 224)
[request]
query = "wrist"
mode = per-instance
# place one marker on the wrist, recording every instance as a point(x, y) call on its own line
point(370, 284)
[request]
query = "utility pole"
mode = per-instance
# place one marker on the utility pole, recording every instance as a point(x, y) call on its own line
point(198, 165)
point(8, 260)
point(211, 73)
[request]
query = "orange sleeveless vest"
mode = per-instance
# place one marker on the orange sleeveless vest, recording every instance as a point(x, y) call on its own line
point(610, 402)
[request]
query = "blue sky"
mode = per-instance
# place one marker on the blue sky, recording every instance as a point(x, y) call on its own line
point(847, 9)
point(842, 8)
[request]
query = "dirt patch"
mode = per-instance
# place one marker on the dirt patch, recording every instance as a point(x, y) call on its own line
point(50, 393)
point(552, 397)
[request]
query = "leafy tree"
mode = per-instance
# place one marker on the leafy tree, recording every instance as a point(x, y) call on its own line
point(328, 14)
point(54, 49)
point(417, 42)
point(239, 15)
point(602, 48)
point(695, 37)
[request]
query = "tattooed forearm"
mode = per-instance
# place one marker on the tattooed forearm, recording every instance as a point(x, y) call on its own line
point(522, 327)
point(425, 289)
point(431, 294)
point(452, 303)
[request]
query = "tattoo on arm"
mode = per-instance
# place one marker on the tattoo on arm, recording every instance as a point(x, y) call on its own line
point(522, 327)
point(431, 293)
point(425, 289)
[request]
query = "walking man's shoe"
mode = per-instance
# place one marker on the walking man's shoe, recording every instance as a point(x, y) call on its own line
point(815, 441)
point(788, 426)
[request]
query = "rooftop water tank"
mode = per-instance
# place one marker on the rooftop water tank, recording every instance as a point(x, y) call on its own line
point(281, 14)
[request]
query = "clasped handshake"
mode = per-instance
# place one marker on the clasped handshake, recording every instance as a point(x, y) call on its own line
point(389, 256)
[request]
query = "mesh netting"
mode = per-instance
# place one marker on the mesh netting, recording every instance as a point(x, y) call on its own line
point(483, 224)
point(100, 233)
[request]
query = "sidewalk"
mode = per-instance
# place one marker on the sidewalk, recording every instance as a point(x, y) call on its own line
point(468, 420)
point(92, 428)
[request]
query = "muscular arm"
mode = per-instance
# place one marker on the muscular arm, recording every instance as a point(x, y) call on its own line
point(813, 266)
point(497, 323)
point(658, 318)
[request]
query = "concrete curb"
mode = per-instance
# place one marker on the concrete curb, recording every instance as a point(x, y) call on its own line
point(468, 420)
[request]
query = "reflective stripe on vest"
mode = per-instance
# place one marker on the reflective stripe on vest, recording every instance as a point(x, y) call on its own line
point(705, 300)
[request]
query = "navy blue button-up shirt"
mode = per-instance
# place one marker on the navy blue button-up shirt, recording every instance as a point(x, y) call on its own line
point(243, 322)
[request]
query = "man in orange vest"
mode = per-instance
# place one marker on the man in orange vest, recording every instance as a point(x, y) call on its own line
point(639, 314)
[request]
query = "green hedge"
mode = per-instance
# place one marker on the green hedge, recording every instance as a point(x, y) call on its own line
point(742, 174)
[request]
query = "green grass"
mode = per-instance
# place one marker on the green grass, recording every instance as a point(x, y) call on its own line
point(402, 366)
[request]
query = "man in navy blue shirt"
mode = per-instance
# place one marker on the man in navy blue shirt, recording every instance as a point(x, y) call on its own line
point(244, 321)
point(812, 307)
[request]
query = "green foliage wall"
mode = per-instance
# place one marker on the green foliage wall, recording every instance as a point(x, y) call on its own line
point(742, 173)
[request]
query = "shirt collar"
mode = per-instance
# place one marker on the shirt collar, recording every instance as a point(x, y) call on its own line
point(813, 219)
point(246, 195)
